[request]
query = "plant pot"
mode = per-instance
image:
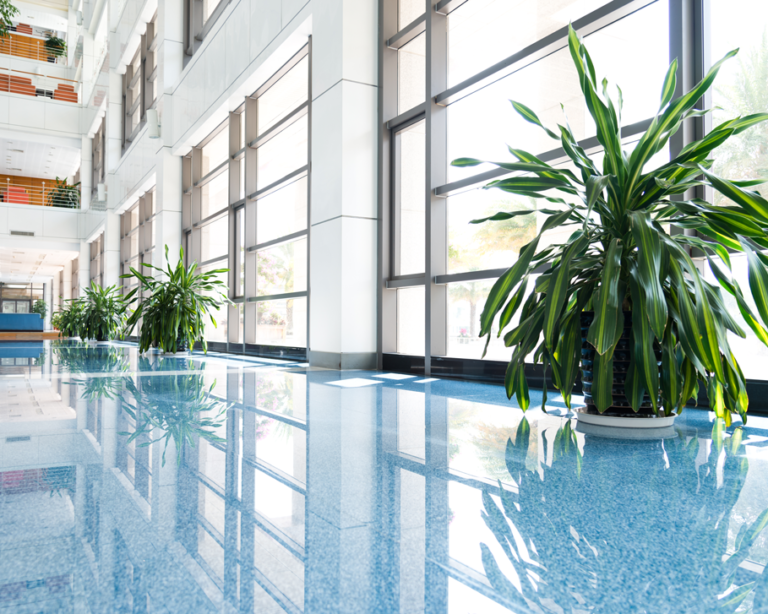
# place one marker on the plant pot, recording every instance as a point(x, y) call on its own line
point(620, 413)
point(182, 345)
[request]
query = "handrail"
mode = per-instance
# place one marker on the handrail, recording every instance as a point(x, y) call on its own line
point(28, 47)
point(39, 192)
point(31, 84)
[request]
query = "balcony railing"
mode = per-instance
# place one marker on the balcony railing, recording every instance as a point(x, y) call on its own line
point(40, 192)
point(30, 84)
point(29, 47)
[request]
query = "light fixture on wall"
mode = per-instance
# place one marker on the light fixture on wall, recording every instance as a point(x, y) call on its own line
point(153, 124)
point(101, 192)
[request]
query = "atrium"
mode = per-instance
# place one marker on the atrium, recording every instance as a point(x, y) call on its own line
point(389, 306)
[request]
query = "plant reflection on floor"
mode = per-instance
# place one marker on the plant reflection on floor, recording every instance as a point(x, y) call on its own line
point(110, 363)
point(584, 519)
point(180, 406)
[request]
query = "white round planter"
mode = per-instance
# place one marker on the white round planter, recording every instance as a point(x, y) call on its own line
point(624, 422)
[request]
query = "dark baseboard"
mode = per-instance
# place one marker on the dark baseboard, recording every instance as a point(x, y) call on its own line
point(492, 372)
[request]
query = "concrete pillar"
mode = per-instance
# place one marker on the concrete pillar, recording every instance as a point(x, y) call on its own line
point(48, 298)
point(168, 203)
point(84, 262)
point(112, 250)
point(66, 291)
point(56, 292)
point(168, 196)
point(344, 212)
point(86, 172)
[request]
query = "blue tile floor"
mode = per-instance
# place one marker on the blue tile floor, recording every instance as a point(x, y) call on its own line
point(134, 483)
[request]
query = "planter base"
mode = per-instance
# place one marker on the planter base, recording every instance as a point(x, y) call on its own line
point(627, 421)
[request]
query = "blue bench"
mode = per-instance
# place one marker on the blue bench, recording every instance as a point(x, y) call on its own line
point(20, 322)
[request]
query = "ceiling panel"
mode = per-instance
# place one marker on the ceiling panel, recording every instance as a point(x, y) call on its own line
point(29, 159)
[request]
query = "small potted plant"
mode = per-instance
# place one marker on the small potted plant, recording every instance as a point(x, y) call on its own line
point(64, 195)
point(622, 298)
point(55, 47)
point(173, 309)
point(69, 320)
point(40, 307)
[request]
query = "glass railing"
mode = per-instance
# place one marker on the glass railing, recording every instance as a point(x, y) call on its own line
point(32, 84)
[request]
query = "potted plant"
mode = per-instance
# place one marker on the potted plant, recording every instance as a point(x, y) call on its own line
point(54, 46)
point(70, 319)
point(173, 309)
point(104, 313)
point(64, 195)
point(623, 298)
point(40, 307)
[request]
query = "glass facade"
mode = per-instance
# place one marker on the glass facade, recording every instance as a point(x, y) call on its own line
point(137, 238)
point(467, 60)
point(139, 85)
point(246, 191)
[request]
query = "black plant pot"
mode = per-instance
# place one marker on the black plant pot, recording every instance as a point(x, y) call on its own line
point(182, 344)
point(621, 356)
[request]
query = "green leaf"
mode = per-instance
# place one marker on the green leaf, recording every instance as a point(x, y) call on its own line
point(750, 202)
point(504, 285)
point(557, 290)
point(602, 381)
point(605, 329)
point(531, 117)
point(649, 270)
point(642, 339)
point(670, 82)
point(758, 282)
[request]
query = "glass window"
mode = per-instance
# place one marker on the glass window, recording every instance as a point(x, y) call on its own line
point(410, 321)
point(218, 333)
point(282, 154)
point(283, 97)
point(282, 268)
point(214, 240)
point(411, 73)
point(411, 197)
point(484, 32)
point(740, 88)
point(214, 195)
point(209, 6)
point(408, 11)
point(282, 212)
point(483, 124)
point(240, 252)
point(215, 151)
point(282, 322)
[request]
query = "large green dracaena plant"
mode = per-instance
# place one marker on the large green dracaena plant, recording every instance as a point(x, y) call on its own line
point(104, 313)
point(621, 257)
point(174, 309)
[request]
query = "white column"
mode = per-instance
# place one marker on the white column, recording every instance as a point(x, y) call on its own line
point(343, 232)
point(66, 291)
point(170, 62)
point(48, 298)
point(86, 172)
point(168, 203)
point(84, 262)
point(56, 292)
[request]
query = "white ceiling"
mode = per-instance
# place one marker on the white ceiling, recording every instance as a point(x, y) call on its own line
point(29, 159)
point(32, 265)
point(49, 14)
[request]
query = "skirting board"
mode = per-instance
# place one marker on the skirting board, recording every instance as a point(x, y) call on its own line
point(342, 361)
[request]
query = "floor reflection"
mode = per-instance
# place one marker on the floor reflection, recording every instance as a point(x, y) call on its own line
point(136, 483)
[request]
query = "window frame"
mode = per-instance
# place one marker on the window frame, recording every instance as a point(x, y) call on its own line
point(685, 42)
point(244, 143)
point(145, 58)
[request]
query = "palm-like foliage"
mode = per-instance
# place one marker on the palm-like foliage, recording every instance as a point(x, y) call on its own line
point(620, 257)
point(70, 320)
point(104, 314)
point(174, 309)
